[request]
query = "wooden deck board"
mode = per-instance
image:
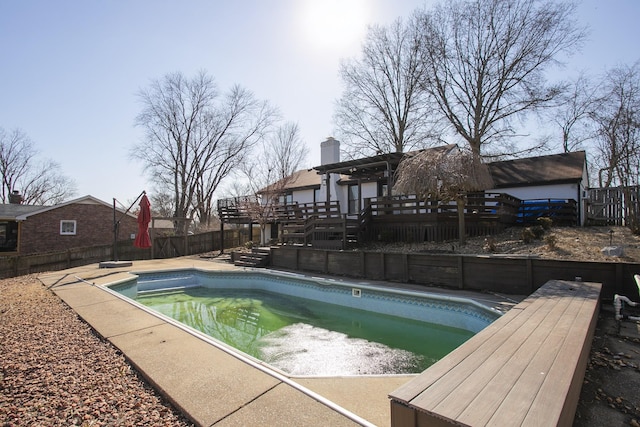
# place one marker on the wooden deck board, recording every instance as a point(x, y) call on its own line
point(458, 387)
point(574, 352)
point(525, 368)
point(516, 400)
point(499, 375)
point(414, 388)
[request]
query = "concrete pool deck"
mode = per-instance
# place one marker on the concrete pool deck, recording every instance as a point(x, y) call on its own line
point(208, 384)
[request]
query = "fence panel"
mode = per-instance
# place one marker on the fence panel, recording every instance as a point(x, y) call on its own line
point(18, 265)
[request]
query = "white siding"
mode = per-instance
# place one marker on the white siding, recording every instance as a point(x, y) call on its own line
point(303, 196)
point(557, 191)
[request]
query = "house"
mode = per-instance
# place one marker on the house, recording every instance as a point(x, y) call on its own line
point(360, 192)
point(557, 177)
point(553, 177)
point(86, 221)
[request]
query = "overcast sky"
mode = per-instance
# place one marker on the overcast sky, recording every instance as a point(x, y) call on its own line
point(70, 70)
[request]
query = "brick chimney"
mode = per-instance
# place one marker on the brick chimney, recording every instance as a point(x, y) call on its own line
point(15, 198)
point(329, 151)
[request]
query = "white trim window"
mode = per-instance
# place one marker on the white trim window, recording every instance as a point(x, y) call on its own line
point(68, 227)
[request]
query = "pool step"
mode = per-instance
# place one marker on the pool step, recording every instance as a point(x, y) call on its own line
point(258, 257)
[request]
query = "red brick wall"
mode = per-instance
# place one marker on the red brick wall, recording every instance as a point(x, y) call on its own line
point(94, 226)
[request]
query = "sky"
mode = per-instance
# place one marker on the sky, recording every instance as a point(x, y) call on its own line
point(70, 70)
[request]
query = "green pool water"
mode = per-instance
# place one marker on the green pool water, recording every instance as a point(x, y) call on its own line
point(305, 337)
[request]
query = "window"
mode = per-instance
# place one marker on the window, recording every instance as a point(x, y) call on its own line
point(68, 227)
point(383, 189)
point(286, 199)
point(316, 195)
point(354, 199)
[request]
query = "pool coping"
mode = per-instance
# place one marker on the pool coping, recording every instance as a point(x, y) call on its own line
point(251, 395)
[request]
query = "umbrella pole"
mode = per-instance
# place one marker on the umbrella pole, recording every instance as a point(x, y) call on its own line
point(116, 224)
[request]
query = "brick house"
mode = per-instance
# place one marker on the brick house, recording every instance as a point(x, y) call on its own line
point(83, 222)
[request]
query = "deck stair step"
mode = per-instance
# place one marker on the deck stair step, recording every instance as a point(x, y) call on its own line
point(257, 258)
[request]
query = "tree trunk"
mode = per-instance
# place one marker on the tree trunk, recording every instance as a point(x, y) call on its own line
point(462, 234)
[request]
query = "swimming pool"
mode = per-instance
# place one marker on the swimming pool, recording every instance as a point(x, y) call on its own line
point(313, 326)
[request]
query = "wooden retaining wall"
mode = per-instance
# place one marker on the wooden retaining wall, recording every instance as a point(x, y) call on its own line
point(501, 274)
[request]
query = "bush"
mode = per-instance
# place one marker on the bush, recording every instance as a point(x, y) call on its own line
point(538, 231)
point(490, 244)
point(552, 241)
point(249, 245)
point(527, 235)
point(530, 234)
point(545, 222)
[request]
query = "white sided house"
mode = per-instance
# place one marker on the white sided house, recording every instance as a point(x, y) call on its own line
point(347, 201)
point(553, 177)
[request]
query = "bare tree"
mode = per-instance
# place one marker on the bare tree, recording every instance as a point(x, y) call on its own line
point(443, 175)
point(617, 120)
point(382, 108)
point(38, 181)
point(272, 171)
point(162, 203)
point(195, 137)
point(576, 105)
point(486, 60)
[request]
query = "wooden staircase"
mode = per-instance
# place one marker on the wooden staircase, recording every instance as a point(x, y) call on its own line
point(257, 258)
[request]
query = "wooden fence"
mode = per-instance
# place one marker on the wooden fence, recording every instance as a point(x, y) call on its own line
point(613, 205)
point(164, 247)
point(501, 274)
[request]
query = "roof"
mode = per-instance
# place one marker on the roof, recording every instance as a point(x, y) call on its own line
point(11, 211)
point(299, 180)
point(373, 164)
point(25, 211)
point(552, 169)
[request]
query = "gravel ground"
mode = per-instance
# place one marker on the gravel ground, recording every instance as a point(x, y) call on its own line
point(56, 371)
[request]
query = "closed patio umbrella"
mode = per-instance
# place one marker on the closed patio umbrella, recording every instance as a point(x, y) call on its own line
point(144, 218)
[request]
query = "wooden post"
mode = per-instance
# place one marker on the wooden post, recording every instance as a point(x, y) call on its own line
point(221, 237)
point(461, 272)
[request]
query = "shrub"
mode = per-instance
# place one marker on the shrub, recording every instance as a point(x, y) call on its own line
point(545, 222)
point(249, 245)
point(527, 235)
point(490, 244)
point(538, 231)
point(552, 241)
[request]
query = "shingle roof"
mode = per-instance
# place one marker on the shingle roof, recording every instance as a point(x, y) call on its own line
point(552, 169)
point(11, 211)
point(299, 180)
point(16, 212)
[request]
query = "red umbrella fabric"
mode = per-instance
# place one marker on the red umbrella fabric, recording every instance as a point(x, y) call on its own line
point(144, 218)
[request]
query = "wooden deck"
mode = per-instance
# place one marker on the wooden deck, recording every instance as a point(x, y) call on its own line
point(526, 368)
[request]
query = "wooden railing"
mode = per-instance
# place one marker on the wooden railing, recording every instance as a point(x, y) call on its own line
point(489, 206)
point(408, 219)
point(561, 211)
